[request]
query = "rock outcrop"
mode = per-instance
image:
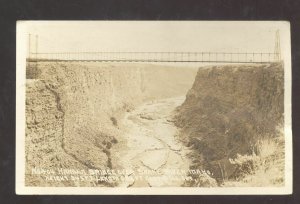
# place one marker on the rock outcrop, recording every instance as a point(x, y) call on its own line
point(228, 110)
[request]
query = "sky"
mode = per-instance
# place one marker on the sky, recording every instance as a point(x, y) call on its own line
point(153, 36)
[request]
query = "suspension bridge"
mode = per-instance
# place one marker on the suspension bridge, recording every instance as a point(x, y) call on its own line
point(166, 57)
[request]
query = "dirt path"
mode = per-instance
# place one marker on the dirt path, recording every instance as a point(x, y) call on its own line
point(152, 145)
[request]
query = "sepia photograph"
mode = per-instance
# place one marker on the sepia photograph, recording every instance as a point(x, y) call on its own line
point(153, 107)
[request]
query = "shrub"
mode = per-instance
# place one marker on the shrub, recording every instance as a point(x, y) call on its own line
point(202, 178)
point(245, 165)
point(266, 147)
point(205, 180)
point(251, 164)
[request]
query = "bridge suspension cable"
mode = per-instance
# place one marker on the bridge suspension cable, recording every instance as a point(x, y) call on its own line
point(168, 57)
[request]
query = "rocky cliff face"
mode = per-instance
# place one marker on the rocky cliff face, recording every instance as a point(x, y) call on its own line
point(44, 141)
point(73, 109)
point(228, 110)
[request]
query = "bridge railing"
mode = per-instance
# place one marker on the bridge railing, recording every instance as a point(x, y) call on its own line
point(158, 57)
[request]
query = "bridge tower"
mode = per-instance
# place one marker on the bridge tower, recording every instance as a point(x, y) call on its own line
point(29, 46)
point(32, 45)
point(277, 50)
point(32, 57)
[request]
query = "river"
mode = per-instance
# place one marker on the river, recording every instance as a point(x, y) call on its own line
point(152, 145)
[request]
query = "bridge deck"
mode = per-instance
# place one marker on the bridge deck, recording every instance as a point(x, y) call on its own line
point(143, 61)
point(165, 57)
